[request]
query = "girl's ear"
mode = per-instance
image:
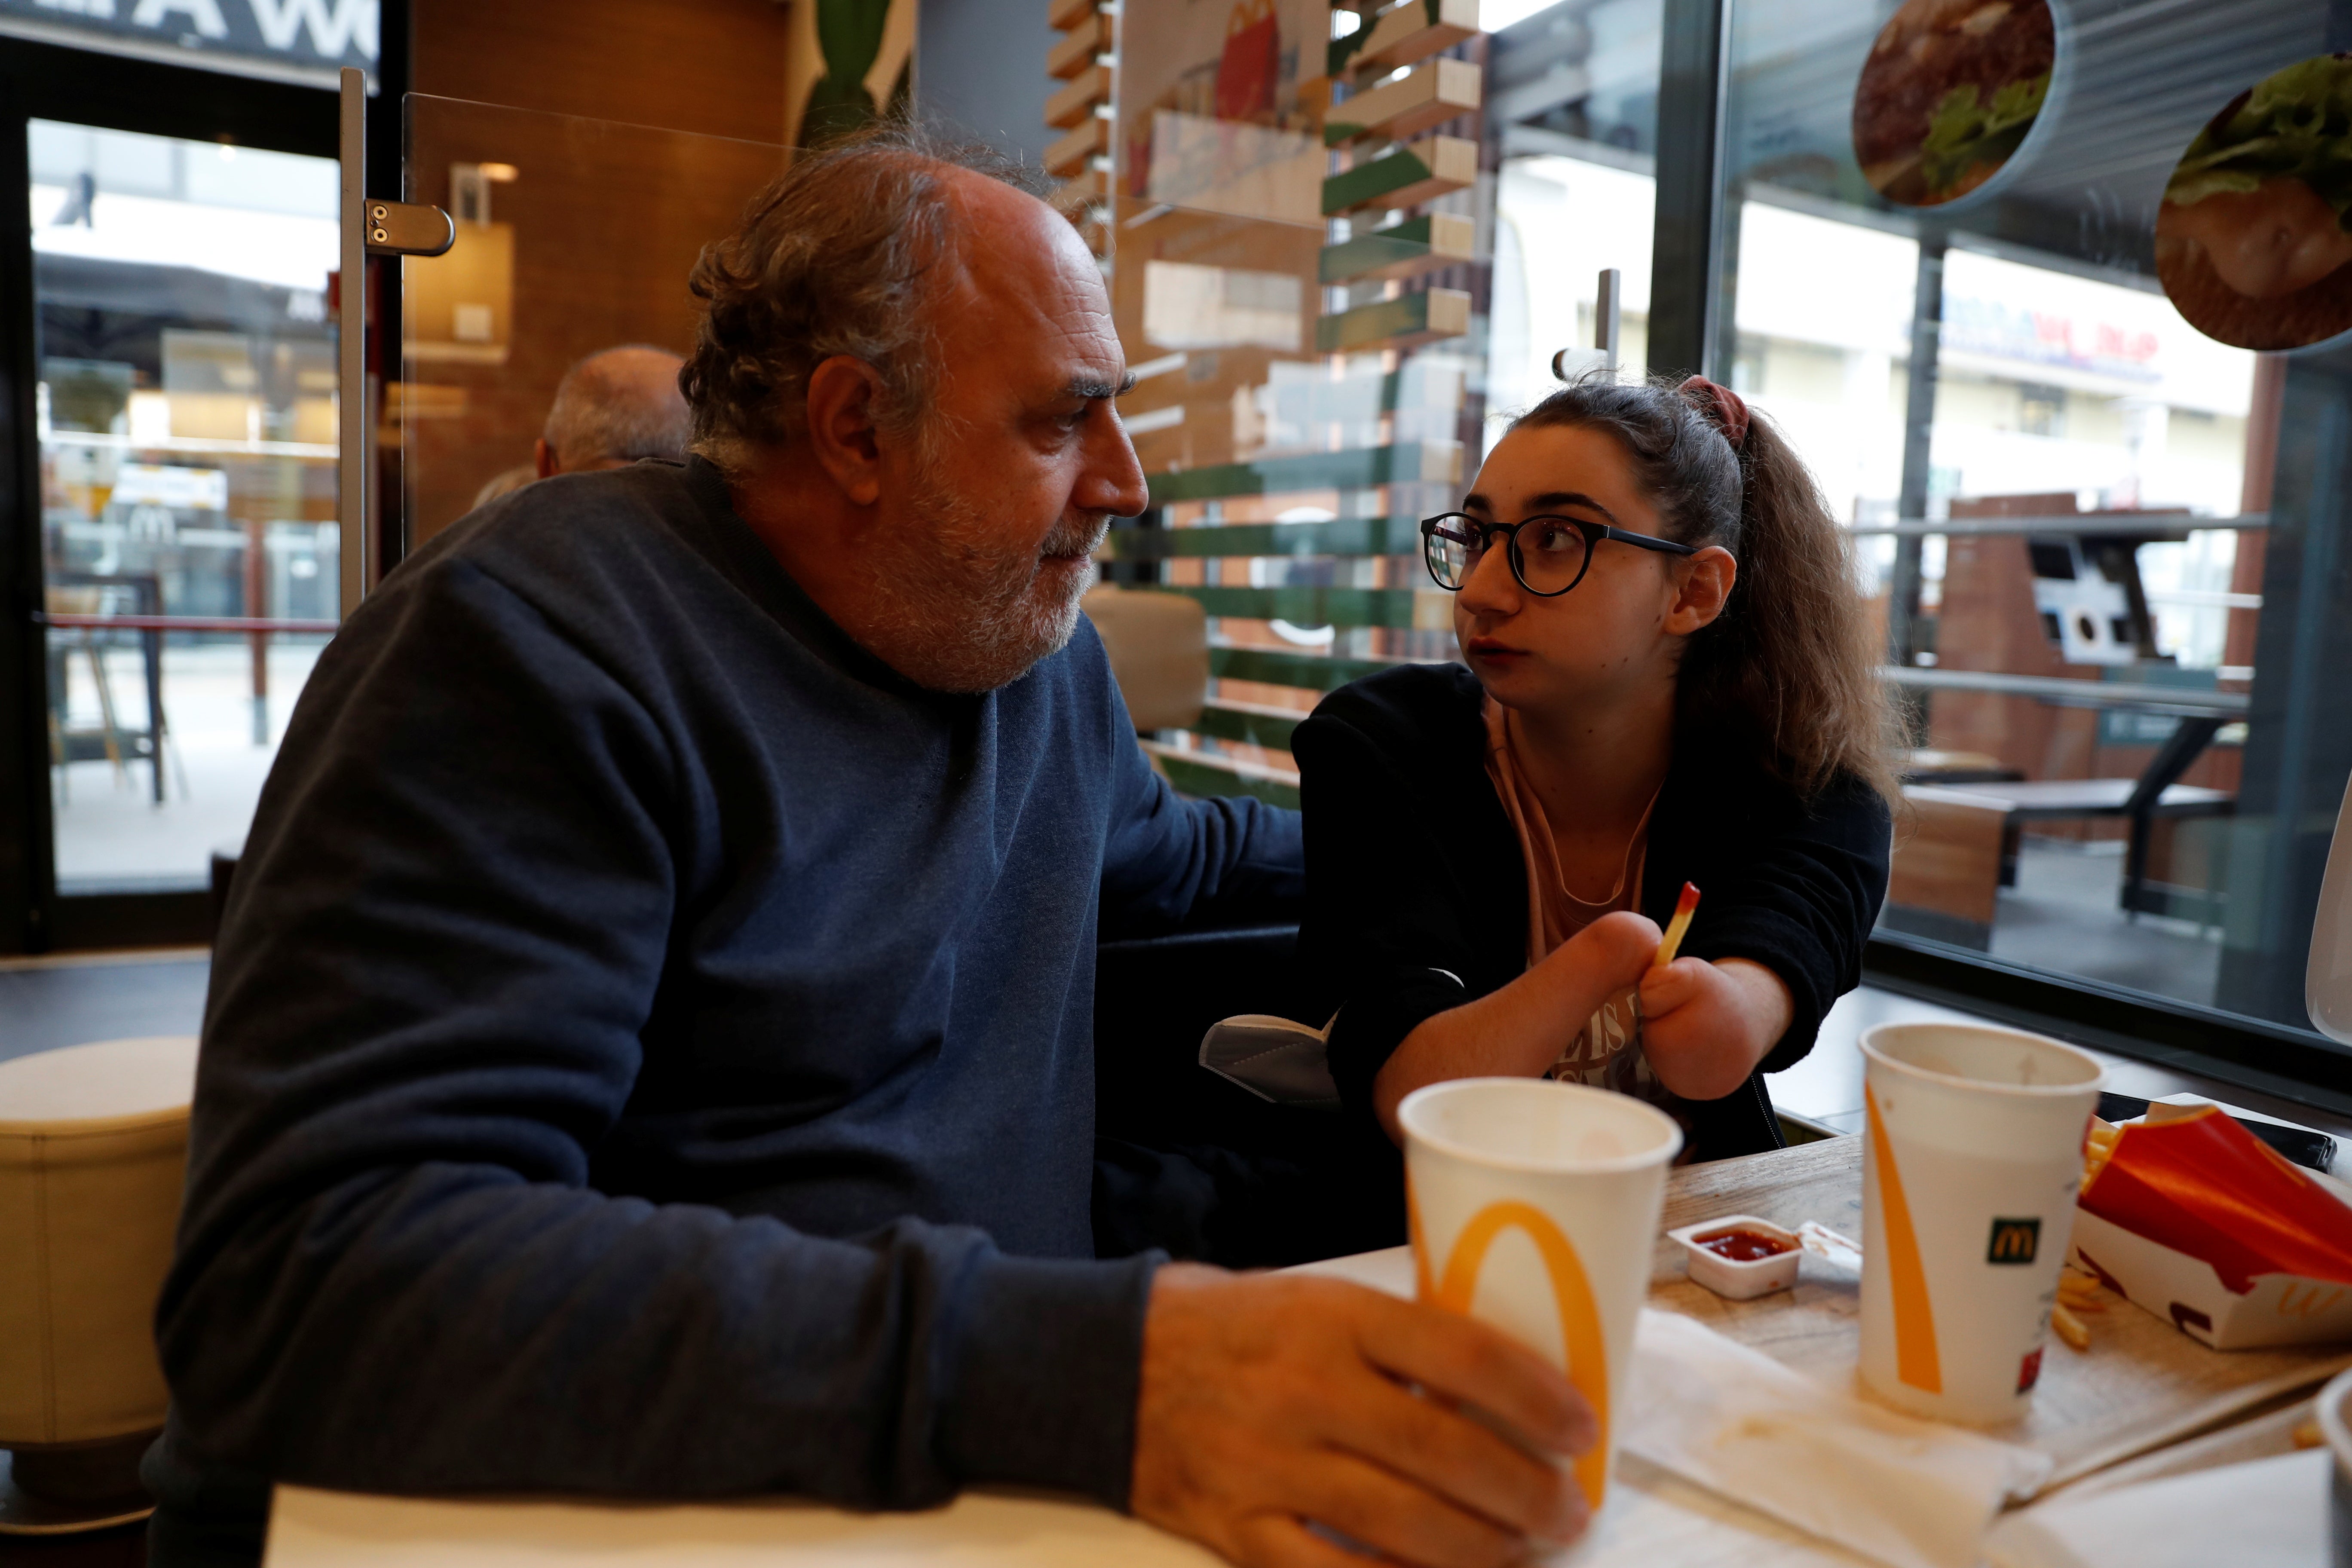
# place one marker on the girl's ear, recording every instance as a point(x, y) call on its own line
point(1706, 579)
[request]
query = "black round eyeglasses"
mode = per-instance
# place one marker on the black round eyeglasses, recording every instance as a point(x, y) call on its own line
point(1549, 556)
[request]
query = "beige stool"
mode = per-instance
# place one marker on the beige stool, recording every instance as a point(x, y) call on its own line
point(93, 1145)
point(1158, 645)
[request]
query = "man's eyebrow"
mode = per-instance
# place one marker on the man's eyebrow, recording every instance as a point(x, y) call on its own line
point(1092, 387)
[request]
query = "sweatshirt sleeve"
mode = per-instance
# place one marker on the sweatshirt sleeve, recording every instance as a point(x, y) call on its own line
point(1171, 862)
point(1801, 902)
point(393, 1273)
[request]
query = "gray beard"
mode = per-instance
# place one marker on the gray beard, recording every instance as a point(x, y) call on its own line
point(965, 614)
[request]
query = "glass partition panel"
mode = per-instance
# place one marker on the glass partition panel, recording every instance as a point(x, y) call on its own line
point(187, 424)
point(575, 236)
point(1979, 283)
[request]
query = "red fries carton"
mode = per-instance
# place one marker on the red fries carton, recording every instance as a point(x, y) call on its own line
point(2200, 1222)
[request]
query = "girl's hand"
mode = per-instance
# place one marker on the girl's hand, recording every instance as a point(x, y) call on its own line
point(1706, 1026)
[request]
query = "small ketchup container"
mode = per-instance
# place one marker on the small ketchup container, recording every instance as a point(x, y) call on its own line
point(1739, 1256)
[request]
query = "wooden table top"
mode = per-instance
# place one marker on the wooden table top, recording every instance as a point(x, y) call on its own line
point(2141, 1385)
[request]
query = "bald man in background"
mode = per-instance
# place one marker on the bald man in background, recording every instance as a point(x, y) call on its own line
point(611, 410)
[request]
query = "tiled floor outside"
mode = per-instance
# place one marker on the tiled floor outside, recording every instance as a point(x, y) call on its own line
point(2065, 915)
point(111, 832)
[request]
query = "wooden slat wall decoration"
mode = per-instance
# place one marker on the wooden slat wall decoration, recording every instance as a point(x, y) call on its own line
point(1083, 62)
point(1299, 273)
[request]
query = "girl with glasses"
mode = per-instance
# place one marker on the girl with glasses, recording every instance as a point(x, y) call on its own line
point(1667, 677)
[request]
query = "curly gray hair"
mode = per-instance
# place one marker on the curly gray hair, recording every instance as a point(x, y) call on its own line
point(838, 255)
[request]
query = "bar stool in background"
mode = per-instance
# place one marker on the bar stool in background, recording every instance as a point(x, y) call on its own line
point(93, 1146)
point(1159, 649)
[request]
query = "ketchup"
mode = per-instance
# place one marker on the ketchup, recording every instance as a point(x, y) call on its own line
point(1743, 1245)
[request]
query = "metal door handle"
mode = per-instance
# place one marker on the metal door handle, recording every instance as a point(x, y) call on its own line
point(408, 229)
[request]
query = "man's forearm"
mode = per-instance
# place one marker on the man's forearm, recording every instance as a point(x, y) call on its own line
point(455, 1328)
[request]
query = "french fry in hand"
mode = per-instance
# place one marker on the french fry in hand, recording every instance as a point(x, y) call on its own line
point(1672, 943)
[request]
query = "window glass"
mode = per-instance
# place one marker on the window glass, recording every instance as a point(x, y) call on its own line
point(2100, 540)
point(186, 410)
point(1343, 245)
point(1574, 120)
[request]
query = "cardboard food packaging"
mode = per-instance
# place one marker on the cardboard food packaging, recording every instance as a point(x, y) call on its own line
point(2197, 1221)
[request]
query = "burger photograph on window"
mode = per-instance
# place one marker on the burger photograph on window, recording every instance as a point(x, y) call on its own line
point(1949, 94)
point(2251, 242)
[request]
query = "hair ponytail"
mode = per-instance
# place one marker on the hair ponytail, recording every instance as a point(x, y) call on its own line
point(1788, 667)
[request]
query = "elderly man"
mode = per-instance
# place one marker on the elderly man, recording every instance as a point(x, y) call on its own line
point(648, 1050)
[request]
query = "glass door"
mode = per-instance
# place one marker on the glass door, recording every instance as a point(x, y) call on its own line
point(184, 411)
point(574, 237)
point(168, 552)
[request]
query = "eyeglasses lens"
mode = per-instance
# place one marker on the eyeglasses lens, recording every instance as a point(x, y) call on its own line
point(1454, 547)
point(1550, 555)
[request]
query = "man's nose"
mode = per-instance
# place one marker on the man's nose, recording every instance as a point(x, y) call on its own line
point(1490, 588)
point(1112, 479)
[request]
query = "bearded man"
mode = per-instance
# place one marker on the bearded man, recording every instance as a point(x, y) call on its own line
point(649, 1042)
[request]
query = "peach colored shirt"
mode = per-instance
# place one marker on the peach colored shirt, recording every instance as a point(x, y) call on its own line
point(1607, 1052)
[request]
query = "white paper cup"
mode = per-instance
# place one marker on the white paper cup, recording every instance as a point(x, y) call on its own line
point(1972, 1161)
point(2335, 1422)
point(1534, 1205)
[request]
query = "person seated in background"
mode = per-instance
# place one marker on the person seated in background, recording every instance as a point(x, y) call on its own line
point(612, 408)
point(1670, 680)
point(648, 1050)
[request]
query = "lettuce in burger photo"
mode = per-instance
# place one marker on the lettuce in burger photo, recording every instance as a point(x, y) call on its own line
point(2252, 241)
point(1948, 93)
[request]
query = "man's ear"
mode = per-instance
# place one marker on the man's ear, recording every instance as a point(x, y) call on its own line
point(543, 457)
point(1707, 580)
point(840, 394)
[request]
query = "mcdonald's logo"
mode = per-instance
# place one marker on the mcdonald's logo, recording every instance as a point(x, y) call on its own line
point(2306, 1300)
point(2014, 1241)
point(1456, 1285)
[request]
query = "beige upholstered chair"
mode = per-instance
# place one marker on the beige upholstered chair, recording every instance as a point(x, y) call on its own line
point(93, 1143)
point(1159, 648)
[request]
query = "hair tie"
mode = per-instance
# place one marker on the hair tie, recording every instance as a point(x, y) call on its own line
point(1730, 409)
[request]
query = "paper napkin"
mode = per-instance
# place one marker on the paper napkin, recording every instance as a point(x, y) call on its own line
point(2266, 1513)
point(1902, 1491)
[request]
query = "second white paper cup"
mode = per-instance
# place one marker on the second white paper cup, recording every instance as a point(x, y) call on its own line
point(1533, 1207)
point(1973, 1157)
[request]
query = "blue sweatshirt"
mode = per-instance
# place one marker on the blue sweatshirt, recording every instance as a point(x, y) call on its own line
point(649, 1048)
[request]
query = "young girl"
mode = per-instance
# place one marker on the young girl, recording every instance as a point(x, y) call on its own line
point(1669, 679)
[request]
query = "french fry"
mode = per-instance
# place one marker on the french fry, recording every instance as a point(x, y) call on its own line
point(2098, 1146)
point(1672, 943)
point(2307, 1434)
point(2070, 1328)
